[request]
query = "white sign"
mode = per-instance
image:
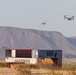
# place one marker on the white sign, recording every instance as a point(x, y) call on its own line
point(26, 60)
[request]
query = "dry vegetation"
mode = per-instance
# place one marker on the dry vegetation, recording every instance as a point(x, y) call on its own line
point(38, 69)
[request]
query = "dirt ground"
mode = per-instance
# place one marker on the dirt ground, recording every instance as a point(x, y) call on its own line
point(53, 72)
point(8, 71)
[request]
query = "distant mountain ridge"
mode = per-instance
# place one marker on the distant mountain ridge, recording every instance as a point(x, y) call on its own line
point(12, 37)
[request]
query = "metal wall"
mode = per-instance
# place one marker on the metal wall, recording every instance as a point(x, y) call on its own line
point(8, 53)
point(57, 62)
point(42, 54)
point(49, 53)
point(24, 53)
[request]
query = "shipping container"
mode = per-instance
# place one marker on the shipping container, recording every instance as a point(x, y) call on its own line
point(30, 56)
point(24, 53)
point(49, 53)
point(54, 55)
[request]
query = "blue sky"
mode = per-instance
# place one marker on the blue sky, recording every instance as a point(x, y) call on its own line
point(31, 13)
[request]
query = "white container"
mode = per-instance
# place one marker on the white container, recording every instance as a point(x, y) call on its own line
point(13, 54)
point(34, 53)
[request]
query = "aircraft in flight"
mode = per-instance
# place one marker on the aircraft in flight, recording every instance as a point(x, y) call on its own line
point(43, 23)
point(69, 17)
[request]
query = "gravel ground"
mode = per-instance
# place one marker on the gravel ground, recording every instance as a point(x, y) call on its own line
point(7, 71)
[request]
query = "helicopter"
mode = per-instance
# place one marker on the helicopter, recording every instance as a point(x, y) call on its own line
point(69, 17)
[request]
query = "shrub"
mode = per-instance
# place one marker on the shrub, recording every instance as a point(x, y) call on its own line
point(3, 65)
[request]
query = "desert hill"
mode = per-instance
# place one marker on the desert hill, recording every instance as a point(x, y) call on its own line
point(12, 37)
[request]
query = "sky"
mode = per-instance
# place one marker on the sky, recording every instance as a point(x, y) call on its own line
point(31, 13)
